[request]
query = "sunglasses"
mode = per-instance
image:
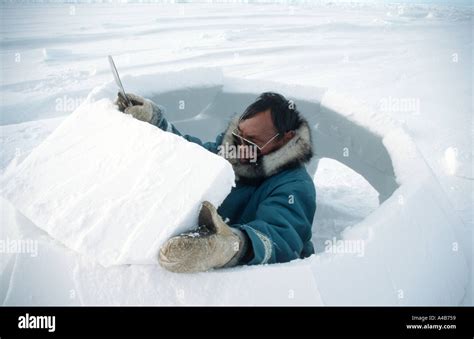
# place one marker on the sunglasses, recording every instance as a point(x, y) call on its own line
point(247, 142)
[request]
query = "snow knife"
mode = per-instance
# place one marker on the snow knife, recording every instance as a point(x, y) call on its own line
point(117, 80)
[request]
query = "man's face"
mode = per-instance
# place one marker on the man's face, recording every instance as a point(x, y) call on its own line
point(260, 129)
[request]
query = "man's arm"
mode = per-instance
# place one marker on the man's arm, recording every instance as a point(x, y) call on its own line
point(278, 234)
point(282, 225)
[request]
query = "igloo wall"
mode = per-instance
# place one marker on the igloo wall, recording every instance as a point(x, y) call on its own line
point(205, 112)
point(408, 259)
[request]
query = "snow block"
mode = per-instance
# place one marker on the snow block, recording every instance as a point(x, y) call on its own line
point(115, 188)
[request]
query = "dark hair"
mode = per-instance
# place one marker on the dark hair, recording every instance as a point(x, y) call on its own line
point(284, 114)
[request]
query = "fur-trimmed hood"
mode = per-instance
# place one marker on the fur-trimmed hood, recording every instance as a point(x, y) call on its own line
point(294, 153)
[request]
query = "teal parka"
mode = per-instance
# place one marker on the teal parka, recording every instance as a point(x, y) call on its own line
point(274, 200)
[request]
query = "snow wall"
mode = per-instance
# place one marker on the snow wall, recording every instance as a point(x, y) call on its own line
point(410, 255)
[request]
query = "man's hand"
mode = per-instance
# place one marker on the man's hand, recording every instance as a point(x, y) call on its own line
point(213, 244)
point(142, 109)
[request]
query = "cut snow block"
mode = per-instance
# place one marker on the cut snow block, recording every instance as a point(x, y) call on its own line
point(115, 188)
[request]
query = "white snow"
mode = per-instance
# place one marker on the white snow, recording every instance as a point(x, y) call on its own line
point(115, 188)
point(55, 54)
point(70, 279)
point(351, 68)
point(339, 205)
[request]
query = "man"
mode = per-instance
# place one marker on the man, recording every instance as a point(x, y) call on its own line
point(267, 217)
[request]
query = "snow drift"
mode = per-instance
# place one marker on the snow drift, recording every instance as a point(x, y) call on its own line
point(409, 255)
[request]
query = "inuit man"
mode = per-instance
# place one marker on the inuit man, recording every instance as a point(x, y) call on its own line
point(267, 217)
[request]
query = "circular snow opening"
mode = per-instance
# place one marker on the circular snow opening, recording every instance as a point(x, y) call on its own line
point(205, 112)
point(352, 169)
